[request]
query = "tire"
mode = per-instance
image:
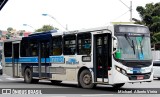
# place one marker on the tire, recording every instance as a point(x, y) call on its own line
point(85, 79)
point(28, 76)
point(118, 85)
point(55, 82)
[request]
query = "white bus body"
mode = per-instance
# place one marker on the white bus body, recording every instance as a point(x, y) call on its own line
point(89, 57)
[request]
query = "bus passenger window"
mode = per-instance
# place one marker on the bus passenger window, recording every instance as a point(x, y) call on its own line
point(84, 44)
point(34, 49)
point(8, 49)
point(57, 45)
point(69, 45)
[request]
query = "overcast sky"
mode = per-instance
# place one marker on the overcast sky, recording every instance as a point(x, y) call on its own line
point(77, 14)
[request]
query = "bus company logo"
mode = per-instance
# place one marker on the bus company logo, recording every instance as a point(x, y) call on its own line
point(21, 91)
point(57, 59)
point(72, 61)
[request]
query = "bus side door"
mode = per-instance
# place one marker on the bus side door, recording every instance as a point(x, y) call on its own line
point(102, 56)
point(15, 59)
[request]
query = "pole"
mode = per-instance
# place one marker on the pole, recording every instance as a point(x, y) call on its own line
point(39, 59)
point(131, 11)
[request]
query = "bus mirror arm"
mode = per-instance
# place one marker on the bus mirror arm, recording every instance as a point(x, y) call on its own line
point(115, 44)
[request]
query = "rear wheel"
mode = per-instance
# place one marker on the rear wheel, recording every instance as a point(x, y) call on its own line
point(118, 85)
point(28, 76)
point(85, 79)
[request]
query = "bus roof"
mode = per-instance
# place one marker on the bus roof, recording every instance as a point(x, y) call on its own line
point(58, 32)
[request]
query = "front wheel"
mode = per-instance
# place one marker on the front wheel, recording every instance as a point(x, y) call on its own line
point(85, 79)
point(118, 85)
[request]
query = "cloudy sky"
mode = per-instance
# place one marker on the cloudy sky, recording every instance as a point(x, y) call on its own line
point(76, 14)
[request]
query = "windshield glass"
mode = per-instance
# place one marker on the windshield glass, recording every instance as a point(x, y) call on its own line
point(134, 47)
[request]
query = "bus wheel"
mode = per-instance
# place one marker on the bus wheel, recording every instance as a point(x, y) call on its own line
point(85, 79)
point(55, 82)
point(28, 76)
point(118, 85)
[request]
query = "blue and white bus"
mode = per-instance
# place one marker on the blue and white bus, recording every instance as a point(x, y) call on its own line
point(112, 55)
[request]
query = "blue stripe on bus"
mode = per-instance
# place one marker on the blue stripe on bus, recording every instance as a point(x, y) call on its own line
point(28, 60)
point(51, 59)
point(8, 60)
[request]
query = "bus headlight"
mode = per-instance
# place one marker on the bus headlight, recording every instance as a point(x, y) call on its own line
point(121, 70)
point(118, 69)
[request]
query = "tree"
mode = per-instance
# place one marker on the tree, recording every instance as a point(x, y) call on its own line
point(9, 30)
point(150, 16)
point(46, 28)
point(20, 32)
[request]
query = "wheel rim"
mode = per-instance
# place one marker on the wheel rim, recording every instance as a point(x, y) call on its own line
point(87, 79)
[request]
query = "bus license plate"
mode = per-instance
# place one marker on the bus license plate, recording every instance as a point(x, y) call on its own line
point(140, 77)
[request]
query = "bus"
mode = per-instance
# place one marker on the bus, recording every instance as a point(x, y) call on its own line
point(111, 55)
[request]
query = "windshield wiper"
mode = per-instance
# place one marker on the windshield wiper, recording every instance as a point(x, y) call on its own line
point(131, 44)
point(141, 46)
point(133, 47)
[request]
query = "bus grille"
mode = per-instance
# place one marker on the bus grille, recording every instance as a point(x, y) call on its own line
point(134, 77)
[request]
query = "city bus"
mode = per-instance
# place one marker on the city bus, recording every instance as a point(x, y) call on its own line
point(111, 55)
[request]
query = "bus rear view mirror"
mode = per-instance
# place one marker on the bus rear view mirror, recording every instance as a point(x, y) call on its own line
point(115, 44)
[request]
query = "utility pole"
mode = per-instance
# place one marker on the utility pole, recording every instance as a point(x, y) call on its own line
point(130, 9)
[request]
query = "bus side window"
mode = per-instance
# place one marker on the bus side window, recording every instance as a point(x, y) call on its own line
point(57, 45)
point(69, 47)
point(84, 43)
point(33, 49)
point(24, 49)
point(8, 49)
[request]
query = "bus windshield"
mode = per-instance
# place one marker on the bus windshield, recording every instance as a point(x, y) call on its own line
point(134, 47)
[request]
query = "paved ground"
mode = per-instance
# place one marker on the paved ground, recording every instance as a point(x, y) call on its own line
point(67, 89)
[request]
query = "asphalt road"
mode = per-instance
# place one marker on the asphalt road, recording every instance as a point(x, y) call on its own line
point(68, 89)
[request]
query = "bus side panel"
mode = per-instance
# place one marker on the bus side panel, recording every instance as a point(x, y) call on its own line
point(7, 66)
point(8, 69)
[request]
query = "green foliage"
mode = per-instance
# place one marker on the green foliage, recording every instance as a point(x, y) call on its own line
point(8, 36)
point(150, 16)
point(46, 28)
point(21, 32)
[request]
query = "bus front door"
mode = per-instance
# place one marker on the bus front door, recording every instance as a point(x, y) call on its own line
point(15, 60)
point(102, 56)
